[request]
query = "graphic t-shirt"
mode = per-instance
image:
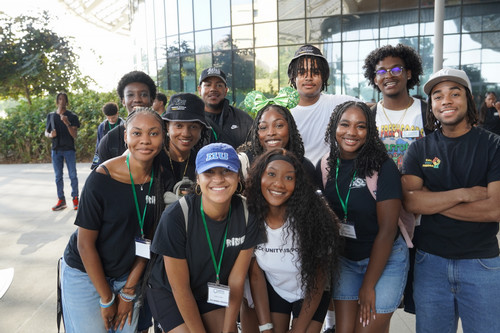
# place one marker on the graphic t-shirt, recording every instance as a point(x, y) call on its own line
point(398, 129)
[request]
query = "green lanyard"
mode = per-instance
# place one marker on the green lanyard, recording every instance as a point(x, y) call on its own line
point(342, 202)
point(217, 267)
point(215, 134)
point(141, 220)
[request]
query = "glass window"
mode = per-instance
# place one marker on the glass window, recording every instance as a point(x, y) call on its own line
point(290, 9)
point(186, 12)
point(426, 52)
point(323, 29)
point(222, 60)
point(451, 51)
point(221, 13)
point(244, 77)
point(221, 39)
point(285, 55)
point(161, 49)
point(481, 18)
point(391, 4)
point(173, 74)
point(451, 21)
point(202, 61)
point(353, 58)
point(172, 46)
point(186, 45)
point(359, 6)
point(333, 53)
point(162, 76)
point(399, 24)
point(266, 70)
point(241, 11)
point(171, 13)
point(188, 74)
point(322, 7)
point(363, 26)
point(265, 10)
point(202, 14)
point(242, 36)
point(203, 40)
point(266, 34)
point(291, 32)
point(159, 15)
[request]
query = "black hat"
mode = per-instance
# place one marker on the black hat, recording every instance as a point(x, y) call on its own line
point(308, 50)
point(185, 107)
point(212, 71)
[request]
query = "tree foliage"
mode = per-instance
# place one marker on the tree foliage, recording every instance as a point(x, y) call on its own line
point(35, 60)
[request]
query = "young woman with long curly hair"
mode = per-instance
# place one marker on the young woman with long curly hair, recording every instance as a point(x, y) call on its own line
point(289, 272)
point(374, 261)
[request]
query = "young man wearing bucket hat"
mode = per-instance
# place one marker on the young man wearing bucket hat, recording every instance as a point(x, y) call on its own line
point(308, 72)
point(228, 124)
point(452, 178)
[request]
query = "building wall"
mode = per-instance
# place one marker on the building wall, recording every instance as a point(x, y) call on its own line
point(253, 41)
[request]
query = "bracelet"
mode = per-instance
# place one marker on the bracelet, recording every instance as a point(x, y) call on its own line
point(268, 326)
point(127, 297)
point(107, 305)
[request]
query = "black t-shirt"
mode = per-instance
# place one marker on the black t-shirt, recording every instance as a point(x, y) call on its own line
point(443, 164)
point(173, 173)
point(172, 240)
point(492, 121)
point(63, 140)
point(108, 206)
point(111, 145)
point(361, 206)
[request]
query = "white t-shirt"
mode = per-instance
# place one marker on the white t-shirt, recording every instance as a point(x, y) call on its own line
point(312, 121)
point(279, 260)
point(398, 130)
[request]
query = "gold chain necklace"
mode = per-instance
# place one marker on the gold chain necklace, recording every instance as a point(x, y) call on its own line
point(396, 134)
point(172, 166)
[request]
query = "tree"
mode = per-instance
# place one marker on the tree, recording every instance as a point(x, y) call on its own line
point(35, 60)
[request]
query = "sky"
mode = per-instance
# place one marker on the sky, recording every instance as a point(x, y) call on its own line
point(89, 41)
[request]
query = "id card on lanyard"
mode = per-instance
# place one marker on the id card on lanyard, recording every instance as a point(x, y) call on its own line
point(142, 244)
point(347, 228)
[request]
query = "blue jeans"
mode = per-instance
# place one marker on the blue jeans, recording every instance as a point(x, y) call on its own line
point(58, 157)
point(80, 300)
point(446, 289)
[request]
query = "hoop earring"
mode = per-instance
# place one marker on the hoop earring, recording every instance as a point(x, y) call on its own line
point(240, 187)
point(197, 189)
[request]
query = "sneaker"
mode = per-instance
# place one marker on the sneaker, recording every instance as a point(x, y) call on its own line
point(75, 203)
point(61, 204)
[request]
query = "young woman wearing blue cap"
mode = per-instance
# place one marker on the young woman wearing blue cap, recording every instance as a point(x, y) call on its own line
point(205, 242)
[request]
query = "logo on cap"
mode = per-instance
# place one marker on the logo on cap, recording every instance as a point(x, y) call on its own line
point(217, 156)
point(178, 104)
point(213, 71)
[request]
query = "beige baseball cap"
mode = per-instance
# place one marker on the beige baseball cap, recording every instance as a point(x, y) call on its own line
point(447, 74)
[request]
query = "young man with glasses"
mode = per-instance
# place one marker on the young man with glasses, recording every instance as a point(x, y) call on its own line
point(393, 71)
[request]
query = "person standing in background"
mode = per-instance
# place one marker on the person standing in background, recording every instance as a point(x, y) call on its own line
point(489, 117)
point(159, 103)
point(62, 127)
point(110, 110)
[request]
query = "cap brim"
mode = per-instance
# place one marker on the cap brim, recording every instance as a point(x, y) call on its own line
point(217, 164)
point(309, 54)
point(206, 77)
point(173, 117)
point(431, 83)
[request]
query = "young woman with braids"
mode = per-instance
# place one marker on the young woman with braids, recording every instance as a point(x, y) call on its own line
point(289, 272)
point(374, 261)
point(119, 209)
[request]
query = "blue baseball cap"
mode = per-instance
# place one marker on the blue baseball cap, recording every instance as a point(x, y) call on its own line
point(217, 155)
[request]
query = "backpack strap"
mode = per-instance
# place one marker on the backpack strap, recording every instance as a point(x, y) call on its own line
point(245, 208)
point(185, 209)
point(324, 169)
point(423, 111)
point(406, 220)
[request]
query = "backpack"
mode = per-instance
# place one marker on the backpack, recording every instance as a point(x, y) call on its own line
point(406, 221)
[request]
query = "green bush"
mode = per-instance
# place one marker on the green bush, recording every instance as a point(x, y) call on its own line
point(22, 137)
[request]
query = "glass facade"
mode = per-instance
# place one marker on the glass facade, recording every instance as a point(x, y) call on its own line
point(252, 41)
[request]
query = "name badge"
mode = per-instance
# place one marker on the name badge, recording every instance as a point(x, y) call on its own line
point(411, 134)
point(347, 229)
point(218, 294)
point(142, 247)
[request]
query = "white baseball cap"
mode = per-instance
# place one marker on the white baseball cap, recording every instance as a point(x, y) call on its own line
point(447, 74)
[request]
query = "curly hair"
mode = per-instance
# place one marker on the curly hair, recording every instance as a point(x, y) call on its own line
point(407, 54)
point(312, 224)
point(136, 76)
point(431, 121)
point(372, 154)
point(297, 66)
point(295, 143)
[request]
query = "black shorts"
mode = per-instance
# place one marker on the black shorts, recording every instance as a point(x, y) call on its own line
point(279, 305)
point(165, 310)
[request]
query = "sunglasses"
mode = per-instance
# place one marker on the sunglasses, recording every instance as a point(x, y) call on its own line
point(395, 71)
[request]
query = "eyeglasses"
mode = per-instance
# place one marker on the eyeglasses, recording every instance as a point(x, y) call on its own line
point(395, 71)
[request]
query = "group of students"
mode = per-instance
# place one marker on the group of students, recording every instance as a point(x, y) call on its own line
point(255, 239)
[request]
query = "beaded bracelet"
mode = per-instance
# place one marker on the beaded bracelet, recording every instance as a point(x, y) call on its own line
point(107, 305)
point(127, 297)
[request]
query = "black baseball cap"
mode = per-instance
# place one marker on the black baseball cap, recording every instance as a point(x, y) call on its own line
point(185, 107)
point(308, 50)
point(212, 71)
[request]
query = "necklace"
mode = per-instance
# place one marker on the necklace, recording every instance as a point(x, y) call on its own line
point(394, 127)
point(172, 166)
point(145, 180)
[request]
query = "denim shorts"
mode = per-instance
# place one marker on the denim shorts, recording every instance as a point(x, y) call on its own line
point(390, 286)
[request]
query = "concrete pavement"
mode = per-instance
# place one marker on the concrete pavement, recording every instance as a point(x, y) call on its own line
point(32, 238)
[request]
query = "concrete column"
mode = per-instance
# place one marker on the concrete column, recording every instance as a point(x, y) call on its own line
point(438, 34)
